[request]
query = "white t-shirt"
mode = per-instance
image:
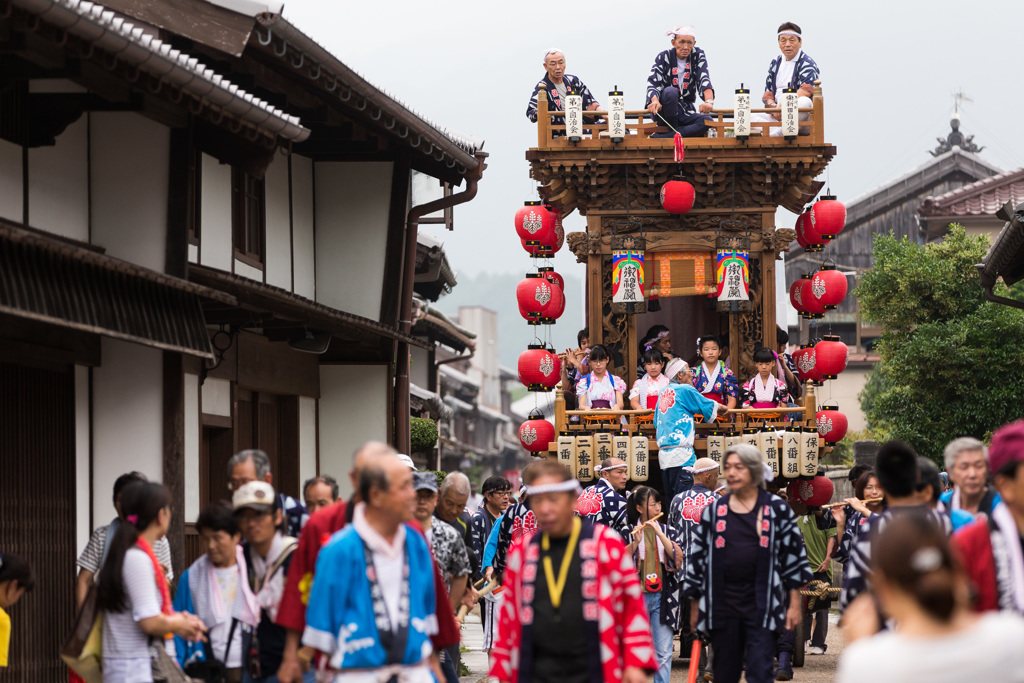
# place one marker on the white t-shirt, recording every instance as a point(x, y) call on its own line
point(227, 584)
point(123, 638)
point(989, 651)
point(785, 75)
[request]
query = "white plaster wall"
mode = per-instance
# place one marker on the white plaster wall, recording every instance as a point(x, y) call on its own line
point(245, 270)
point(844, 390)
point(217, 397)
point(353, 410)
point(419, 372)
point(215, 215)
point(307, 438)
point(302, 226)
point(11, 188)
point(352, 204)
point(130, 171)
point(83, 441)
point(58, 184)
point(278, 259)
point(193, 253)
point(191, 446)
point(127, 422)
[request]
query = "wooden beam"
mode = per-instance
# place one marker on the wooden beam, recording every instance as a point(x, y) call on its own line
point(768, 313)
point(174, 451)
point(595, 290)
point(394, 257)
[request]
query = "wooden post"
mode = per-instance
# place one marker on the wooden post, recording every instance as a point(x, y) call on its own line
point(595, 284)
point(818, 115)
point(768, 319)
point(543, 120)
point(810, 404)
point(560, 420)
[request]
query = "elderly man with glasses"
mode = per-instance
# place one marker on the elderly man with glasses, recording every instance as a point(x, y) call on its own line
point(497, 492)
point(559, 84)
point(679, 74)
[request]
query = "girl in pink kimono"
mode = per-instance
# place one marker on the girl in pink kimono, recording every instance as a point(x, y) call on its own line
point(599, 388)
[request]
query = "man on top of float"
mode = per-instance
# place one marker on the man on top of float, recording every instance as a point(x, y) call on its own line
point(559, 84)
point(794, 68)
point(678, 75)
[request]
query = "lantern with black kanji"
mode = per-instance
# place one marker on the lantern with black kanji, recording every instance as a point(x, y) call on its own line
point(534, 293)
point(534, 222)
point(539, 368)
point(811, 492)
point(829, 287)
point(832, 424)
point(831, 355)
point(828, 217)
point(536, 434)
point(677, 196)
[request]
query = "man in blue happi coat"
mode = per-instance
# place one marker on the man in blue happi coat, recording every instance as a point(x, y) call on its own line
point(679, 74)
point(559, 84)
point(794, 68)
point(372, 604)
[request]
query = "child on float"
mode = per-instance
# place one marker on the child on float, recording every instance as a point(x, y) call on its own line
point(712, 378)
point(658, 557)
point(765, 390)
point(16, 579)
point(658, 338)
point(644, 394)
point(599, 389)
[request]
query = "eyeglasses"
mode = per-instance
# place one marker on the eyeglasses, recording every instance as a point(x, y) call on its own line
point(505, 492)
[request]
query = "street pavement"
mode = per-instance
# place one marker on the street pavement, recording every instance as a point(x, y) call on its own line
point(816, 669)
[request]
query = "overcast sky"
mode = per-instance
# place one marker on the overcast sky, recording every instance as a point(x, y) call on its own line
point(889, 70)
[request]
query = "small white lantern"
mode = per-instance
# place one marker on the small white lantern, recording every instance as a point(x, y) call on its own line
point(768, 444)
point(639, 459)
point(809, 452)
point(791, 448)
point(790, 114)
point(741, 113)
point(567, 452)
point(574, 117)
point(716, 450)
point(616, 115)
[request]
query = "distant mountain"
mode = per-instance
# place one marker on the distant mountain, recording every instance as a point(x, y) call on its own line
point(498, 293)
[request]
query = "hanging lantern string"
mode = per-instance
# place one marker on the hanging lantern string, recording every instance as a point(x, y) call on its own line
point(677, 146)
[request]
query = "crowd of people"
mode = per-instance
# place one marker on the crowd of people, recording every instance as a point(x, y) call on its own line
point(592, 585)
point(680, 95)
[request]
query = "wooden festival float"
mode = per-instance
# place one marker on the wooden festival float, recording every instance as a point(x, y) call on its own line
point(646, 265)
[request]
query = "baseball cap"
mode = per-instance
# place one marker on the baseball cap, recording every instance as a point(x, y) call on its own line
point(257, 495)
point(407, 461)
point(1007, 446)
point(424, 481)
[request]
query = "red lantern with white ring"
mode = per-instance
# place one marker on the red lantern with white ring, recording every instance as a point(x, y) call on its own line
point(831, 354)
point(534, 222)
point(828, 217)
point(832, 424)
point(829, 287)
point(677, 196)
point(534, 294)
point(539, 368)
point(536, 434)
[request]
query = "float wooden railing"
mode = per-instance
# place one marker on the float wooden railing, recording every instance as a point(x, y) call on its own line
point(638, 131)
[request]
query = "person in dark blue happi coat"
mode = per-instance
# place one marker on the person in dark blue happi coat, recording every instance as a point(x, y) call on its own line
point(746, 565)
point(794, 68)
point(678, 76)
point(559, 84)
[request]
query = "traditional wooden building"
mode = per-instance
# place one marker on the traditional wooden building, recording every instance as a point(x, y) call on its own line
point(973, 206)
point(208, 243)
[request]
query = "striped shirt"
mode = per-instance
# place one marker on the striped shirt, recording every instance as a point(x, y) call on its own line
point(123, 638)
point(92, 557)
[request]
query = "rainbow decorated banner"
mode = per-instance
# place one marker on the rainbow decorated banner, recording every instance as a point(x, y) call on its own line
point(732, 272)
point(627, 277)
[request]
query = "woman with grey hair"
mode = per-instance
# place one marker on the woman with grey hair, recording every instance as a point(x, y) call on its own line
point(673, 424)
point(966, 461)
point(747, 563)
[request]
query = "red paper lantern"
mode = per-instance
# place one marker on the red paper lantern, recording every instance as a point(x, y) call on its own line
point(796, 292)
point(677, 196)
point(534, 294)
point(536, 434)
point(832, 424)
point(534, 222)
point(539, 368)
point(829, 287)
point(831, 354)
point(828, 217)
point(813, 308)
point(807, 365)
point(559, 230)
point(807, 238)
point(811, 492)
point(553, 277)
point(553, 311)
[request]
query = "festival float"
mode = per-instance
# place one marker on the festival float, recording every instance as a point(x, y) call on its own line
point(681, 232)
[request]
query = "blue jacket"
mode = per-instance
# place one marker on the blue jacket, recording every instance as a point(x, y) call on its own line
point(804, 75)
point(554, 101)
point(673, 418)
point(664, 73)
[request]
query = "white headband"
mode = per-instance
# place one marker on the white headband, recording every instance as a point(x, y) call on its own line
point(675, 366)
point(787, 32)
point(567, 486)
point(702, 469)
point(610, 467)
point(551, 51)
point(682, 31)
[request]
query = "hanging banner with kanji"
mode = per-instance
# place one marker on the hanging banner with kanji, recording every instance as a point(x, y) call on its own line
point(627, 277)
point(732, 272)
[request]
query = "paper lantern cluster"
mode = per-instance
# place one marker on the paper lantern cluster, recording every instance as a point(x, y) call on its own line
point(820, 224)
point(814, 293)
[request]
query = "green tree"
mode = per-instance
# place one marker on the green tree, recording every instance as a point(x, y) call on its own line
point(952, 363)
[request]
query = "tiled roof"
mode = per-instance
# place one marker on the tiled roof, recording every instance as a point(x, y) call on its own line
point(981, 198)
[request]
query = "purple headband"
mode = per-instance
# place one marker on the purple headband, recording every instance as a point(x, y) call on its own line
point(661, 335)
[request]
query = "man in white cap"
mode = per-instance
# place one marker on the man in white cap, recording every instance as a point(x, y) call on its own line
point(794, 68)
point(673, 424)
point(678, 76)
point(603, 503)
point(559, 84)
